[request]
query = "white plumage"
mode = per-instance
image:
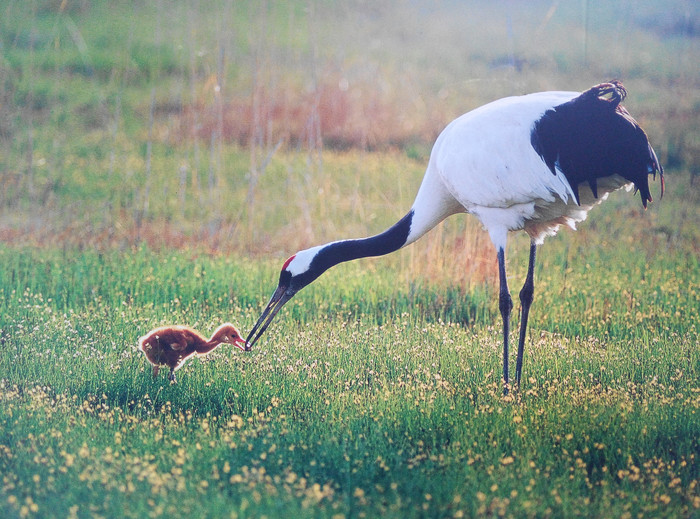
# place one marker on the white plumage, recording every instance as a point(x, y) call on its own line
point(502, 181)
point(531, 163)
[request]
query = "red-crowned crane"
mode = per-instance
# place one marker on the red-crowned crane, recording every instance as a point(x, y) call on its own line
point(172, 345)
point(531, 163)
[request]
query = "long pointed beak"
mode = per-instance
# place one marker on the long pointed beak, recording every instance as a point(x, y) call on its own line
point(277, 301)
point(240, 343)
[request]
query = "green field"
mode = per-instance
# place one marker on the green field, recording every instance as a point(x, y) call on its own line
point(160, 160)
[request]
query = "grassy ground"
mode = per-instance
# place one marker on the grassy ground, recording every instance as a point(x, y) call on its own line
point(369, 396)
point(157, 166)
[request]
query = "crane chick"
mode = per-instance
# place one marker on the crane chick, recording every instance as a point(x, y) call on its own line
point(172, 345)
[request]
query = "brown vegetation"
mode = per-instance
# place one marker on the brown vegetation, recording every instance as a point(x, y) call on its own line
point(344, 114)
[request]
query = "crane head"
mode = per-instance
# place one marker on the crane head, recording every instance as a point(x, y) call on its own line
point(297, 272)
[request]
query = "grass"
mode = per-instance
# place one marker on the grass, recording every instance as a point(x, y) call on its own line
point(368, 397)
point(158, 167)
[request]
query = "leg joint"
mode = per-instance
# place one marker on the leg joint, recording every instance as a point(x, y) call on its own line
point(527, 293)
point(505, 303)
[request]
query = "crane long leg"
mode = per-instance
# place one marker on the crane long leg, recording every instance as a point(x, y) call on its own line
point(505, 305)
point(526, 296)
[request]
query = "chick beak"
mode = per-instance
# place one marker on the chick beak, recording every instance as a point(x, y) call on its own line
point(240, 343)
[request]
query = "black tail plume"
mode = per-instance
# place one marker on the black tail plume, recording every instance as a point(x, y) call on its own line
point(594, 136)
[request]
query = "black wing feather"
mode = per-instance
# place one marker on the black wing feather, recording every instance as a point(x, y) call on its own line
point(593, 136)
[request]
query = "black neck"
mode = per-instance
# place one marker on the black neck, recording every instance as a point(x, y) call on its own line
point(384, 243)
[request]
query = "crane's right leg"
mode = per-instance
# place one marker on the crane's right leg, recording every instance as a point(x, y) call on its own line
point(505, 305)
point(526, 295)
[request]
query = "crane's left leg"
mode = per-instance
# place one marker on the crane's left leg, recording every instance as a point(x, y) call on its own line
point(526, 296)
point(505, 305)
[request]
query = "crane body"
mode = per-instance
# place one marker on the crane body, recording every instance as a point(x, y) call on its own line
point(532, 163)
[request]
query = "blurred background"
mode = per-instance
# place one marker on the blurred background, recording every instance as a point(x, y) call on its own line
point(259, 127)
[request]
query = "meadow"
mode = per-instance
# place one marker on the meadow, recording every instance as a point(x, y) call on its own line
point(159, 161)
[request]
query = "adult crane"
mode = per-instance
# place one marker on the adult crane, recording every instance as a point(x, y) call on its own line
point(532, 163)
